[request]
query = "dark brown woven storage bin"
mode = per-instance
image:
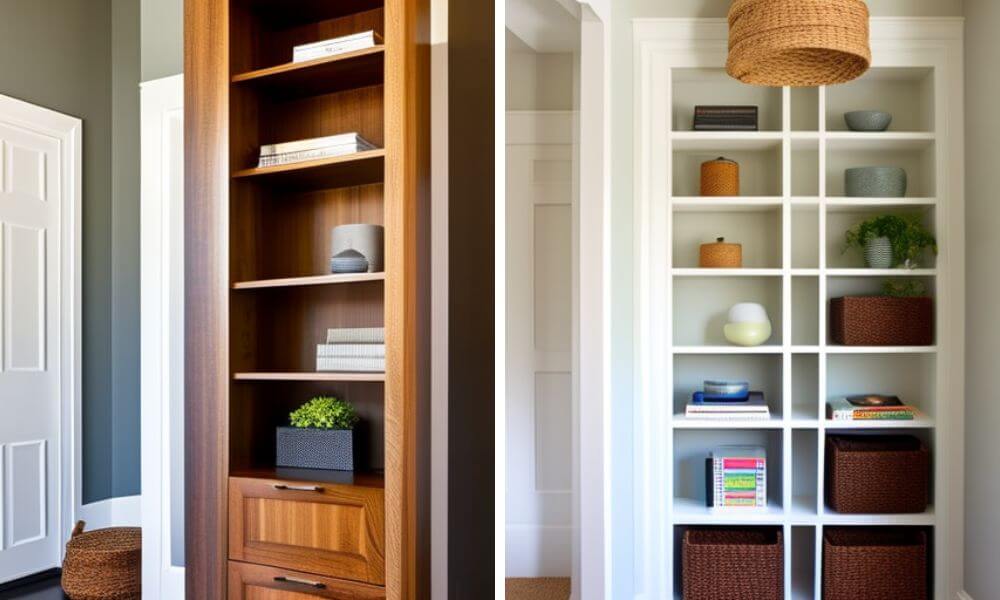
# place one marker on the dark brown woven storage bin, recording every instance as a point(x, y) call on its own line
point(877, 474)
point(879, 563)
point(733, 564)
point(104, 564)
point(882, 321)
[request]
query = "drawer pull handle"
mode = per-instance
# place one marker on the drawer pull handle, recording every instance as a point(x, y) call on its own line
point(298, 488)
point(312, 584)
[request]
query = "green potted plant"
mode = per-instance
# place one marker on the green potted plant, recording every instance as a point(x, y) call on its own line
point(321, 436)
point(889, 241)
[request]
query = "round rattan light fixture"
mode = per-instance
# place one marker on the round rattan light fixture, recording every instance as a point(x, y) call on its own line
point(798, 42)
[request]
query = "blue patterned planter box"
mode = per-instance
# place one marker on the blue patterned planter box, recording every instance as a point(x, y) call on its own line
point(304, 448)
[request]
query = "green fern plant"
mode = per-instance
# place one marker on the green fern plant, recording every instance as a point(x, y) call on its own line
point(906, 288)
point(325, 412)
point(907, 234)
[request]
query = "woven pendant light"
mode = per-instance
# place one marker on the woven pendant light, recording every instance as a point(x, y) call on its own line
point(798, 42)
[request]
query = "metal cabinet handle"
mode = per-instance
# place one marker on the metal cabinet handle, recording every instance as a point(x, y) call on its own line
point(298, 488)
point(312, 584)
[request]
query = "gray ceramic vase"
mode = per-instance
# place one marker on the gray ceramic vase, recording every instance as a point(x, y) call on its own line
point(363, 238)
point(875, 182)
point(867, 120)
point(878, 253)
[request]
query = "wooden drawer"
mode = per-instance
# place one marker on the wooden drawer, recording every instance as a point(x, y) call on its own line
point(257, 582)
point(326, 529)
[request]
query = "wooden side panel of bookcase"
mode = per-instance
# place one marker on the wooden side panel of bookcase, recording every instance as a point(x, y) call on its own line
point(206, 134)
point(407, 299)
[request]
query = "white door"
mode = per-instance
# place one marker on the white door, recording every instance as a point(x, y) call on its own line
point(31, 330)
point(540, 413)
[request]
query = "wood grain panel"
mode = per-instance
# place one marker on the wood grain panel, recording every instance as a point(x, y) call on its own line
point(206, 295)
point(336, 531)
point(258, 582)
point(277, 47)
point(407, 304)
point(359, 110)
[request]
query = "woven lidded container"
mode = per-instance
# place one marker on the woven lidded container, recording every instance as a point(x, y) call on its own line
point(720, 177)
point(721, 255)
point(877, 474)
point(877, 563)
point(104, 564)
point(882, 321)
point(798, 42)
point(733, 564)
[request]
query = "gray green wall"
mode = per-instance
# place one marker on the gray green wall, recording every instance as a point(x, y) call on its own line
point(162, 38)
point(76, 57)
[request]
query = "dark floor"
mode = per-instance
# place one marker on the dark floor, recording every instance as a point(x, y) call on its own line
point(46, 589)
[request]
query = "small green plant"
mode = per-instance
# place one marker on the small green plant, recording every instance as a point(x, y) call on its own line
point(907, 235)
point(905, 288)
point(325, 412)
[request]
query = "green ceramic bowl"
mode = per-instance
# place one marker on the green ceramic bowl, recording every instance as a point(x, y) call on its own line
point(867, 120)
point(747, 334)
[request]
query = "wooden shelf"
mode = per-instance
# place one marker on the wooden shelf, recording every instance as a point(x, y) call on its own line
point(335, 172)
point(281, 13)
point(310, 376)
point(356, 69)
point(373, 479)
point(307, 281)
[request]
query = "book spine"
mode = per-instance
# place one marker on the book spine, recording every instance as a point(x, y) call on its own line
point(304, 155)
point(356, 335)
point(350, 350)
point(319, 143)
point(367, 365)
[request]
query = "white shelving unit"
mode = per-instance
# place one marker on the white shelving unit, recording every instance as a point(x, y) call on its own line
point(791, 221)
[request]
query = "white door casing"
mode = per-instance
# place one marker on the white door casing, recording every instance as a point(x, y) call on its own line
point(39, 335)
point(162, 377)
point(539, 344)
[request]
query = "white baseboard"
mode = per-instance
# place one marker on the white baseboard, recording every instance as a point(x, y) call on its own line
point(539, 551)
point(964, 595)
point(114, 512)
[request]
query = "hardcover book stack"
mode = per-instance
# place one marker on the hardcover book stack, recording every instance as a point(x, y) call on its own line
point(335, 46)
point(272, 155)
point(354, 349)
point(738, 477)
point(729, 401)
point(725, 118)
point(870, 407)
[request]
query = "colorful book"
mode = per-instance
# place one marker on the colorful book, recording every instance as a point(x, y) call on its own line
point(739, 477)
point(754, 408)
point(844, 409)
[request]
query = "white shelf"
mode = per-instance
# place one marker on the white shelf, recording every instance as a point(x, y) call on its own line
point(726, 272)
point(730, 140)
point(881, 272)
point(690, 511)
point(918, 423)
point(842, 204)
point(882, 349)
point(926, 518)
point(727, 350)
point(725, 203)
point(681, 421)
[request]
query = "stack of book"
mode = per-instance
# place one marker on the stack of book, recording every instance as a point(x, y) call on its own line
point(353, 349)
point(725, 118)
point(869, 407)
point(738, 477)
point(727, 401)
point(339, 45)
point(311, 149)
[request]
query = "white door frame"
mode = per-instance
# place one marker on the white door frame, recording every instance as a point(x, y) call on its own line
point(68, 131)
point(162, 293)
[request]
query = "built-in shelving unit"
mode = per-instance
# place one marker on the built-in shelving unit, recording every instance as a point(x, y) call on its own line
point(790, 218)
point(261, 298)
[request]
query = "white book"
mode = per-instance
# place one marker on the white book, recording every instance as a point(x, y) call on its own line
point(304, 155)
point(356, 335)
point(314, 143)
point(351, 364)
point(350, 350)
point(336, 46)
point(369, 35)
point(717, 416)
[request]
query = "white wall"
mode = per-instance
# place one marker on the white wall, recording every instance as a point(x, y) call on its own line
point(982, 531)
point(622, 251)
point(537, 81)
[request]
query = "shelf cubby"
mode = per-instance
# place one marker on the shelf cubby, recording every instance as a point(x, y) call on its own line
point(916, 157)
point(803, 561)
point(805, 387)
point(804, 108)
point(805, 167)
point(843, 218)
point(696, 86)
point(909, 376)
point(759, 158)
point(905, 92)
point(758, 231)
point(805, 236)
point(805, 453)
point(701, 307)
point(805, 311)
point(762, 371)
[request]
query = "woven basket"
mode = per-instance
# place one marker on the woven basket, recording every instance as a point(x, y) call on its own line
point(105, 564)
point(720, 255)
point(883, 563)
point(798, 42)
point(720, 177)
point(733, 564)
point(877, 474)
point(882, 321)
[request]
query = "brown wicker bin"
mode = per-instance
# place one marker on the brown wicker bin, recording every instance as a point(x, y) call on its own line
point(733, 564)
point(882, 321)
point(877, 474)
point(883, 563)
point(104, 564)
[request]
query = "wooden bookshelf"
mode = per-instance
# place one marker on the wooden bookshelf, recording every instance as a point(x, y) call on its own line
point(261, 297)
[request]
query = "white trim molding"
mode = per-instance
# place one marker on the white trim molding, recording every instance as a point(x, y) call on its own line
point(963, 595)
point(114, 512)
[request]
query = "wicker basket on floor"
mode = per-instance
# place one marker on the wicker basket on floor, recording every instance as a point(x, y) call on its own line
point(105, 564)
point(733, 564)
point(879, 563)
point(877, 474)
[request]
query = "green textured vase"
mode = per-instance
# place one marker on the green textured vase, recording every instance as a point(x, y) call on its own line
point(875, 182)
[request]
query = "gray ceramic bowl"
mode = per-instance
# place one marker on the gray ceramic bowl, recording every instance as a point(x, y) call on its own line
point(867, 120)
point(875, 182)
